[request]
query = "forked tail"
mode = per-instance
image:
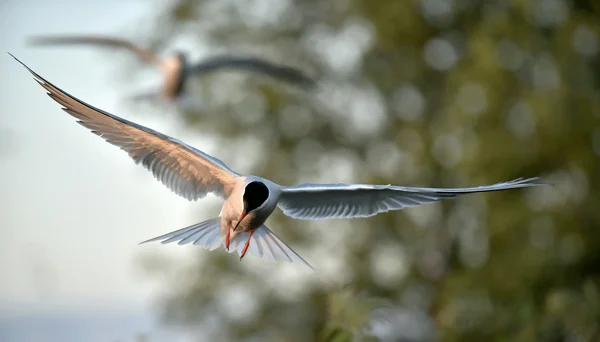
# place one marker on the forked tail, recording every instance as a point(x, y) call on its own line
point(205, 234)
point(264, 243)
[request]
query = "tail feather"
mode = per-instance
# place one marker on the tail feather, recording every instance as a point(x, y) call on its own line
point(205, 234)
point(264, 243)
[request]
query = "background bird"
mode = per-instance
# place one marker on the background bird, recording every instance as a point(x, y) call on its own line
point(249, 200)
point(176, 69)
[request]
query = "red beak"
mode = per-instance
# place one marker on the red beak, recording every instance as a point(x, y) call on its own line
point(240, 220)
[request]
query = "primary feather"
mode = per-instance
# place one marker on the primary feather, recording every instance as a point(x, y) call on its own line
point(333, 201)
point(145, 55)
point(256, 65)
point(185, 170)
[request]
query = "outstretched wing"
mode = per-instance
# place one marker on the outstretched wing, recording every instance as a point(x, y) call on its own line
point(256, 65)
point(185, 170)
point(145, 55)
point(332, 201)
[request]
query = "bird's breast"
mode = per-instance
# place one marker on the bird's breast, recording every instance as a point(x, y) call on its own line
point(172, 70)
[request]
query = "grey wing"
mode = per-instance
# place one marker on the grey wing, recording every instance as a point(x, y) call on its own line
point(183, 169)
point(146, 56)
point(331, 201)
point(256, 65)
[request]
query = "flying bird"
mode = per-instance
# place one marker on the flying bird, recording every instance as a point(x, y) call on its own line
point(176, 69)
point(248, 200)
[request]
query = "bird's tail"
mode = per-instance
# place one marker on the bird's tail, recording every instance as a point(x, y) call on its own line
point(263, 243)
point(205, 234)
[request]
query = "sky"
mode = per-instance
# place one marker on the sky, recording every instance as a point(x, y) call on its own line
point(74, 208)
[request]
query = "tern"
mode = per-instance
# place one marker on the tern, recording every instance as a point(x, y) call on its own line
point(249, 200)
point(176, 69)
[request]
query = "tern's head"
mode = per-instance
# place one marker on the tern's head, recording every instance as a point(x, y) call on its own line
point(254, 198)
point(181, 57)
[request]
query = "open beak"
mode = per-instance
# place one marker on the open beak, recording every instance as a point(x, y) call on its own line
point(240, 220)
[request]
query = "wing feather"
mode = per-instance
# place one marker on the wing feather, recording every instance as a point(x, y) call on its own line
point(185, 170)
point(256, 65)
point(335, 201)
point(145, 55)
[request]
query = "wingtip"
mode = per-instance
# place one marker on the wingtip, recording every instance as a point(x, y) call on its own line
point(306, 82)
point(42, 40)
point(529, 181)
point(309, 82)
point(23, 64)
point(532, 181)
point(42, 81)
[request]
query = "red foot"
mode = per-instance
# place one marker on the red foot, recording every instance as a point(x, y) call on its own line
point(246, 245)
point(227, 238)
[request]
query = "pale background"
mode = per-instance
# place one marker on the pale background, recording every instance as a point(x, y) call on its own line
point(68, 241)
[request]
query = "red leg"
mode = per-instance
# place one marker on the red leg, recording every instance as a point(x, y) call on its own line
point(247, 244)
point(227, 238)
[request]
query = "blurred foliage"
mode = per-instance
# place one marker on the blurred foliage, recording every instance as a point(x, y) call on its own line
point(441, 93)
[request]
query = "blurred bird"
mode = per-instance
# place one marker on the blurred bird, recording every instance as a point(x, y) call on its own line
point(249, 200)
point(176, 70)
